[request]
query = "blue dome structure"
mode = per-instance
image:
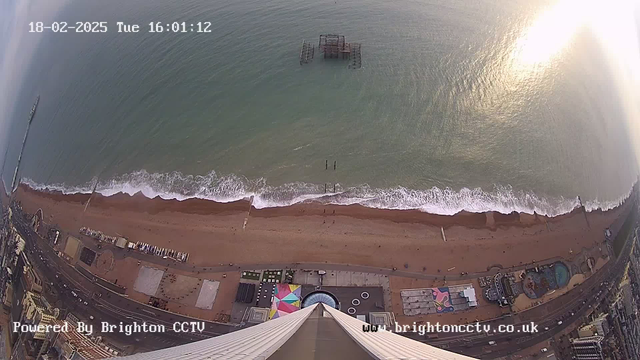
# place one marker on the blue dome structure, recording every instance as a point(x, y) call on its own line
point(320, 297)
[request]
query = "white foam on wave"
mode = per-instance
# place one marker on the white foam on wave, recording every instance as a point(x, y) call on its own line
point(228, 188)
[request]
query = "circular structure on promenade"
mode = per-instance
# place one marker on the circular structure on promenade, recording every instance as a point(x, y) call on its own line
point(534, 285)
point(105, 261)
point(546, 278)
point(355, 302)
point(177, 287)
point(562, 274)
point(351, 311)
point(364, 295)
point(320, 296)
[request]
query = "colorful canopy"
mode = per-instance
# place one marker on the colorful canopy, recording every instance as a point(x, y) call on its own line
point(286, 299)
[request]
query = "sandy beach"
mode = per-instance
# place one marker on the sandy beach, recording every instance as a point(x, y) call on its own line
point(213, 233)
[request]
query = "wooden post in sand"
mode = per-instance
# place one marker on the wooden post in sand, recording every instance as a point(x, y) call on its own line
point(584, 212)
point(334, 164)
point(326, 164)
point(246, 219)
point(91, 196)
point(444, 238)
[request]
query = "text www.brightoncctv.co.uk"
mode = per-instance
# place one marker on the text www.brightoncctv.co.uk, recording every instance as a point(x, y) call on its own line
point(429, 328)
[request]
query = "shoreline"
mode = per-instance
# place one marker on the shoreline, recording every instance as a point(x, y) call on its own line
point(140, 203)
point(500, 200)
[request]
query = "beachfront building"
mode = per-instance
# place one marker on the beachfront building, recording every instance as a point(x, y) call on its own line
point(314, 332)
point(598, 326)
point(30, 278)
point(501, 288)
point(588, 348)
point(34, 311)
point(438, 300)
point(12, 250)
point(625, 324)
point(75, 345)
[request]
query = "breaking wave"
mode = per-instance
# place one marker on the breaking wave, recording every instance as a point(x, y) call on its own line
point(230, 188)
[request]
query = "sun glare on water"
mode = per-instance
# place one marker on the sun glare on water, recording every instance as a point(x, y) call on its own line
point(552, 31)
point(556, 26)
point(614, 25)
point(545, 41)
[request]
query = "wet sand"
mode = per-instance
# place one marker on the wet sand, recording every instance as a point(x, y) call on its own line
point(410, 240)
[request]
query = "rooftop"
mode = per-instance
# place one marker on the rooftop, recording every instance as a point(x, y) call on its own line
point(82, 344)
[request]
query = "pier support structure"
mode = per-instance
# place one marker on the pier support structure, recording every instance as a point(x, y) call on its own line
point(306, 52)
point(333, 46)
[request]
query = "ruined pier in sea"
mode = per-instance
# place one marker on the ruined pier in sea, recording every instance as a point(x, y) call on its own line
point(333, 46)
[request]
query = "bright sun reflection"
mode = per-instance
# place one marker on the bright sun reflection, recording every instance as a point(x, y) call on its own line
point(552, 31)
point(613, 24)
point(541, 44)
